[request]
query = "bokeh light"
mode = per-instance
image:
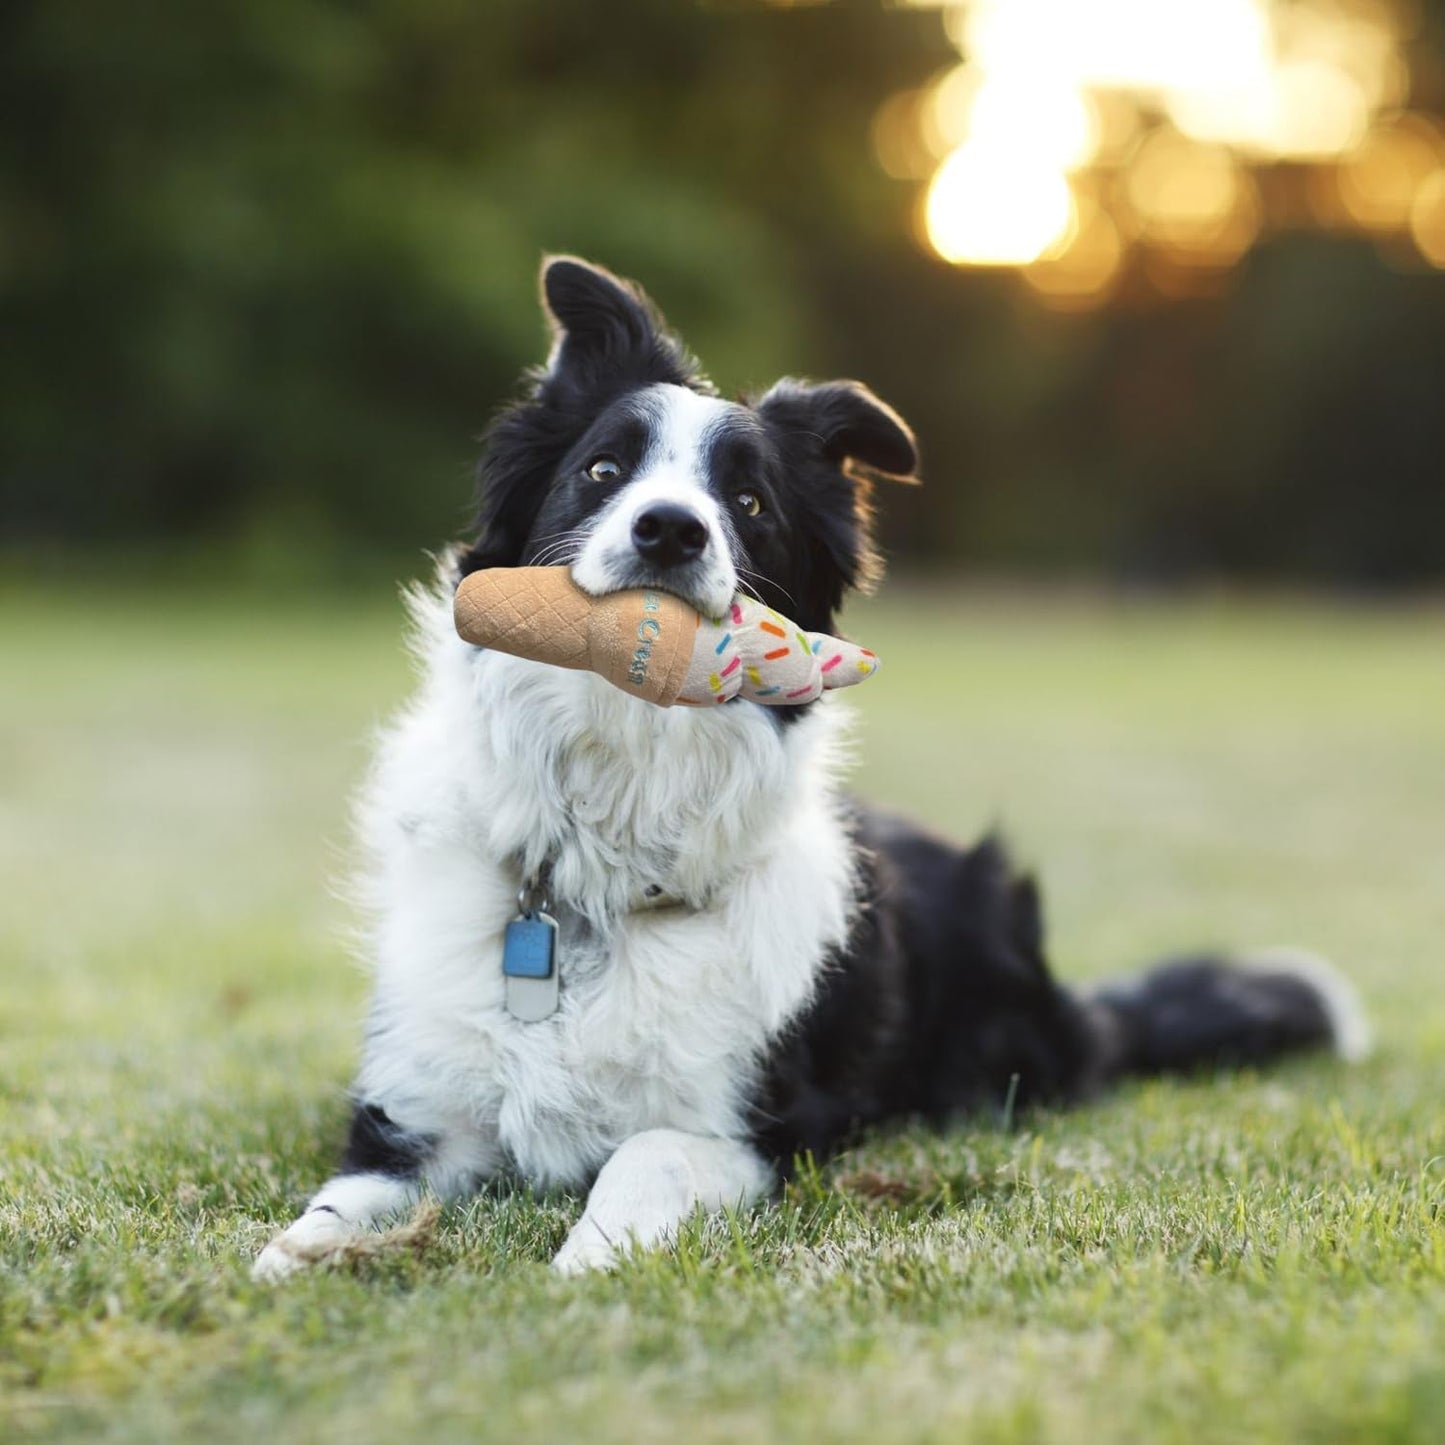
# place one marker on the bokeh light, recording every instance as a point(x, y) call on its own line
point(1380, 181)
point(1193, 199)
point(986, 210)
point(899, 143)
point(1427, 219)
point(1077, 136)
point(1056, 128)
point(1085, 270)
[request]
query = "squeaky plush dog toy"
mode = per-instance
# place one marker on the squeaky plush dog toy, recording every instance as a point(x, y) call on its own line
point(653, 645)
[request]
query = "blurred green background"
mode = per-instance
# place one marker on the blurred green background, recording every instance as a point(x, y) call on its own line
point(266, 269)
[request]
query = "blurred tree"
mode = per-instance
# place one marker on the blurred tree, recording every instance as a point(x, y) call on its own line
point(266, 267)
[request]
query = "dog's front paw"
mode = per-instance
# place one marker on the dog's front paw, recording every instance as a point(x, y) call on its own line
point(586, 1249)
point(315, 1237)
point(277, 1262)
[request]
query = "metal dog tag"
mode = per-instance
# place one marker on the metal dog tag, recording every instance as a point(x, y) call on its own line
point(529, 964)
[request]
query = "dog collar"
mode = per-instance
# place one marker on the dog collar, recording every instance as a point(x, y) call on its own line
point(531, 967)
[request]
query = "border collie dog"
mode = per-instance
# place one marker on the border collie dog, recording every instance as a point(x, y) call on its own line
point(750, 964)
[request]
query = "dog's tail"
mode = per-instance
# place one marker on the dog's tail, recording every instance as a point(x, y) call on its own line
point(1208, 1012)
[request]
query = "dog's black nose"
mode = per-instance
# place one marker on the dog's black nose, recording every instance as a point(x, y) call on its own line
point(667, 534)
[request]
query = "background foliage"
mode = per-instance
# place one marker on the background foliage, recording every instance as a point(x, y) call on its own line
point(265, 269)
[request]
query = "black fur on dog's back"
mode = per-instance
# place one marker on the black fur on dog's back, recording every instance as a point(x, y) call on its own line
point(942, 1003)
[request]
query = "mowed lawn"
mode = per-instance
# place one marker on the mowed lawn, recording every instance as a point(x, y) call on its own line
point(1221, 1259)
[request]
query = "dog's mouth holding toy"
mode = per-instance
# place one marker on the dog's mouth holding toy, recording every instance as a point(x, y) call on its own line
point(653, 644)
point(689, 585)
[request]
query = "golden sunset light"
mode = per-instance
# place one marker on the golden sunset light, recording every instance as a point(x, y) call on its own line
point(1074, 132)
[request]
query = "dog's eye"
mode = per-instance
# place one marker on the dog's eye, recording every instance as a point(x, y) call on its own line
point(604, 469)
point(750, 502)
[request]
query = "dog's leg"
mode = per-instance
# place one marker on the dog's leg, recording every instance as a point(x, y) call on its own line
point(382, 1171)
point(651, 1184)
point(345, 1206)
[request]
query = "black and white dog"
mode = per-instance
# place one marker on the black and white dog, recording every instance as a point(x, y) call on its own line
point(751, 966)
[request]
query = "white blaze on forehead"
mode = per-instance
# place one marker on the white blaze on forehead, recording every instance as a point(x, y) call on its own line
point(682, 423)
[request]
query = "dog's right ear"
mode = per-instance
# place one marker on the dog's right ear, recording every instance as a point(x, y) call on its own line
point(606, 333)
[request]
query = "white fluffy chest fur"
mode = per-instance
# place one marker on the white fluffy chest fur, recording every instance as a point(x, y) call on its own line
point(501, 766)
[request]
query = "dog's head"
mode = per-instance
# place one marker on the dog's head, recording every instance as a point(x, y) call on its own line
point(622, 462)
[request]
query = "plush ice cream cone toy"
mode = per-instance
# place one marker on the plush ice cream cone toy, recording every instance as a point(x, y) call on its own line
point(653, 645)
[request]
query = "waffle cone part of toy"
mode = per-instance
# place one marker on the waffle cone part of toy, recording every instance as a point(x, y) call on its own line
point(653, 645)
point(640, 641)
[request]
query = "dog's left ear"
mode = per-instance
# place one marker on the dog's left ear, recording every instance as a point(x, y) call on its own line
point(832, 439)
point(845, 422)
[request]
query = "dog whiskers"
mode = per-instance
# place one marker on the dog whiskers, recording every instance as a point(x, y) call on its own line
point(761, 581)
point(559, 548)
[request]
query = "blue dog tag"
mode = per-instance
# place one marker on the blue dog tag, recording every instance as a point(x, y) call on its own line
point(529, 965)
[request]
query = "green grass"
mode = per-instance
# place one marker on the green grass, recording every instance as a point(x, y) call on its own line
point(1260, 1257)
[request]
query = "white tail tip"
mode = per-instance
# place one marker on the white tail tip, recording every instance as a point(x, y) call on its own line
point(1349, 1027)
